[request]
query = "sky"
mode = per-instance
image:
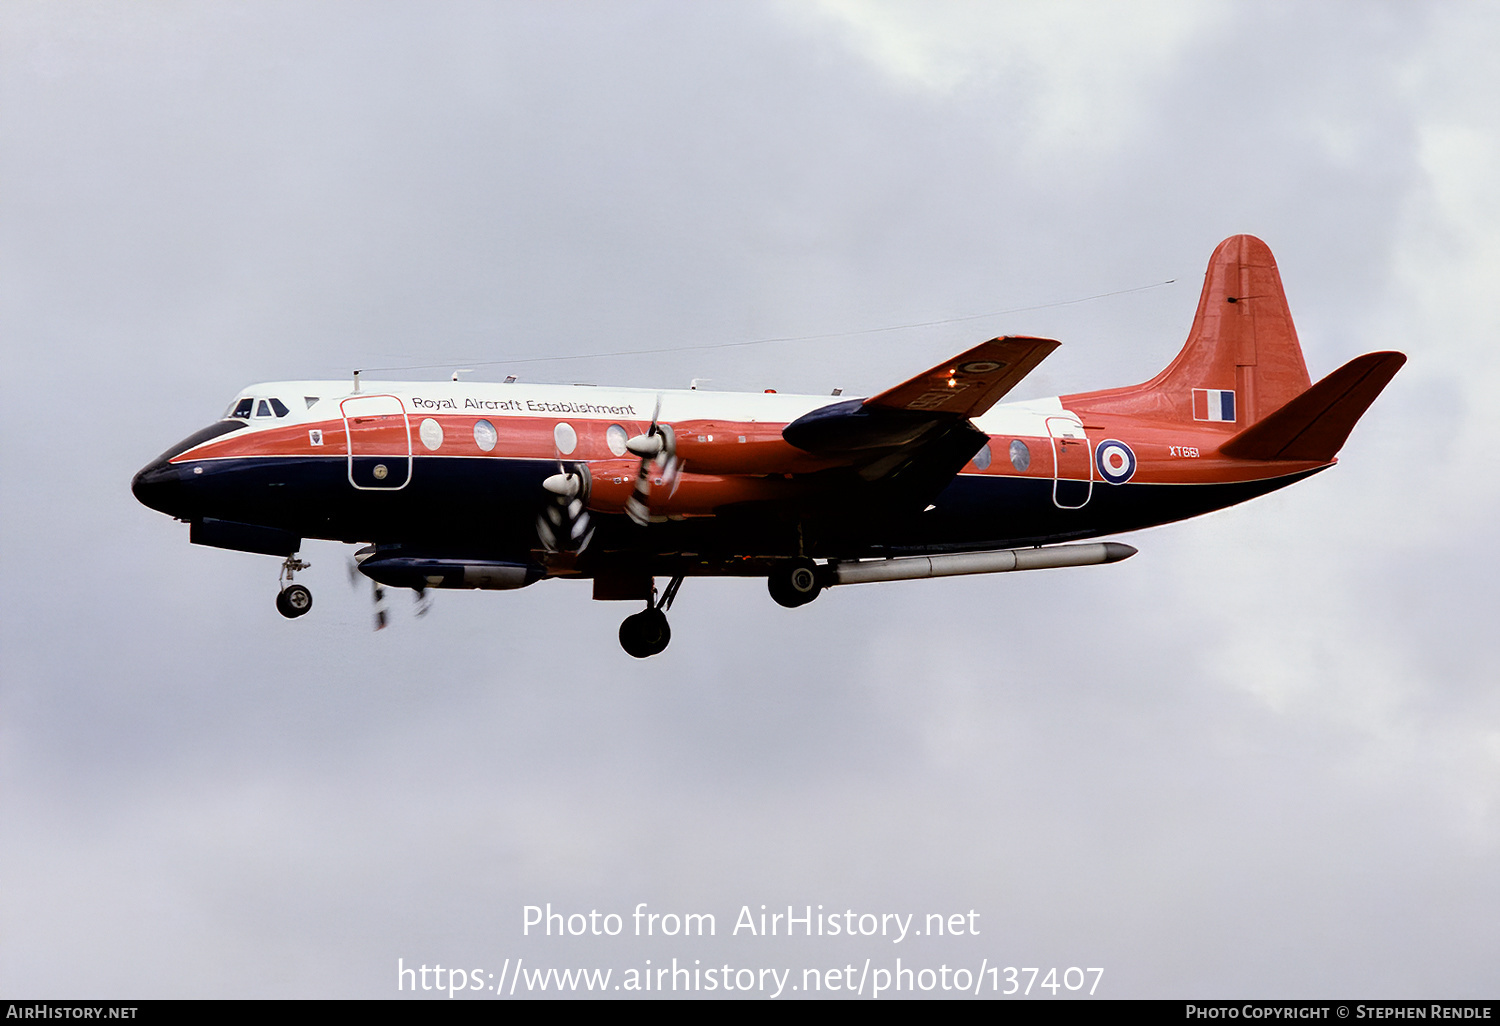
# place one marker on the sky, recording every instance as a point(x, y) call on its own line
point(1259, 759)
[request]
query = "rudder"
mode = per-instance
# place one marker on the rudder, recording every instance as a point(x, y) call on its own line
point(1242, 359)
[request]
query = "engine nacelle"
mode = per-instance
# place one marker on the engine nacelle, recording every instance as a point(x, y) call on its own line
point(712, 447)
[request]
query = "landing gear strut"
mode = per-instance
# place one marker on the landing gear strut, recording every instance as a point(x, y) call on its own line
point(647, 633)
point(796, 584)
point(293, 600)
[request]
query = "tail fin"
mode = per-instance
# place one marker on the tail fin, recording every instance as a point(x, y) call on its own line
point(1242, 359)
point(1315, 425)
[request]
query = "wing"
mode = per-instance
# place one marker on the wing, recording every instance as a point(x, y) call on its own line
point(900, 448)
point(943, 398)
point(972, 381)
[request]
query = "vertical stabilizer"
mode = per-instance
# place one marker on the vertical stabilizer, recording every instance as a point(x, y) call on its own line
point(1242, 359)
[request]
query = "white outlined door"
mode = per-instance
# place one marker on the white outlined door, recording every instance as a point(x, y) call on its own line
point(379, 438)
point(1072, 463)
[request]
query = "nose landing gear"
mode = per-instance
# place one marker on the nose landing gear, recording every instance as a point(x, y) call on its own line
point(293, 600)
point(647, 633)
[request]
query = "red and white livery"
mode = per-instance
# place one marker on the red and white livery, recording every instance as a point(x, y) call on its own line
point(483, 485)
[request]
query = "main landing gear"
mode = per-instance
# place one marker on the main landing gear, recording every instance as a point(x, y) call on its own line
point(647, 633)
point(293, 600)
point(795, 584)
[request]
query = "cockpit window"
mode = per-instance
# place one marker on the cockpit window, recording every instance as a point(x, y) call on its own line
point(279, 407)
point(240, 409)
point(262, 409)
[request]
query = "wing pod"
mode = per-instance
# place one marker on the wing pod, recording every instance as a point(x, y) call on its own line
point(908, 568)
point(421, 572)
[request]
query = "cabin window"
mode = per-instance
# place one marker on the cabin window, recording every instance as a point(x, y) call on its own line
point(485, 435)
point(1020, 455)
point(431, 433)
point(565, 438)
point(616, 437)
point(982, 457)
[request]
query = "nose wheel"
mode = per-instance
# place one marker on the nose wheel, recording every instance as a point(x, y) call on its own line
point(293, 600)
point(647, 633)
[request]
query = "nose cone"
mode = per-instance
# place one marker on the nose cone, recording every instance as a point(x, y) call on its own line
point(160, 486)
point(164, 486)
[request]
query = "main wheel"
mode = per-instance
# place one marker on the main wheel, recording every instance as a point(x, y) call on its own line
point(795, 585)
point(293, 601)
point(646, 633)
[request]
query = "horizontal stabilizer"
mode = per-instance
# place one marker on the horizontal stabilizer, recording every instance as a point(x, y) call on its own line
point(1314, 425)
point(972, 381)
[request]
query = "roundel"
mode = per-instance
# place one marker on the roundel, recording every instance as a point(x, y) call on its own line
point(980, 366)
point(1115, 461)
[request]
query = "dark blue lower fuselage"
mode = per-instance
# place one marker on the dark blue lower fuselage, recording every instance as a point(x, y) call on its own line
point(486, 508)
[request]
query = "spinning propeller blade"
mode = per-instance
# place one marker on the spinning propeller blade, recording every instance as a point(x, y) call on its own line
point(563, 525)
point(657, 446)
point(377, 594)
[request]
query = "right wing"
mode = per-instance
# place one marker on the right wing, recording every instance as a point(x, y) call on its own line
point(944, 397)
point(906, 444)
point(972, 381)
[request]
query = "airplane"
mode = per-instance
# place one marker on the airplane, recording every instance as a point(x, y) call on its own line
point(489, 485)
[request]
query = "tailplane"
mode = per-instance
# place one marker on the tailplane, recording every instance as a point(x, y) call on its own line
point(1315, 425)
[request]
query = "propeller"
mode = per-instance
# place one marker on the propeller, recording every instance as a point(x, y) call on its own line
point(377, 593)
point(563, 525)
point(657, 446)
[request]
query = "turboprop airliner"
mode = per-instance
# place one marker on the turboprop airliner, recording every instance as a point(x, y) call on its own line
point(467, 484)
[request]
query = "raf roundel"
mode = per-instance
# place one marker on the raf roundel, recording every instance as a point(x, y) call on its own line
point(981, 366)
point(1115, 460)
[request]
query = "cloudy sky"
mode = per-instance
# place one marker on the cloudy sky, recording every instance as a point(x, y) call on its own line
point(1262, 758)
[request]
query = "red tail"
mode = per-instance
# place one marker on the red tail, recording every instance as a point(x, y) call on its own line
point(1242, 359)
point(1315, 425)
